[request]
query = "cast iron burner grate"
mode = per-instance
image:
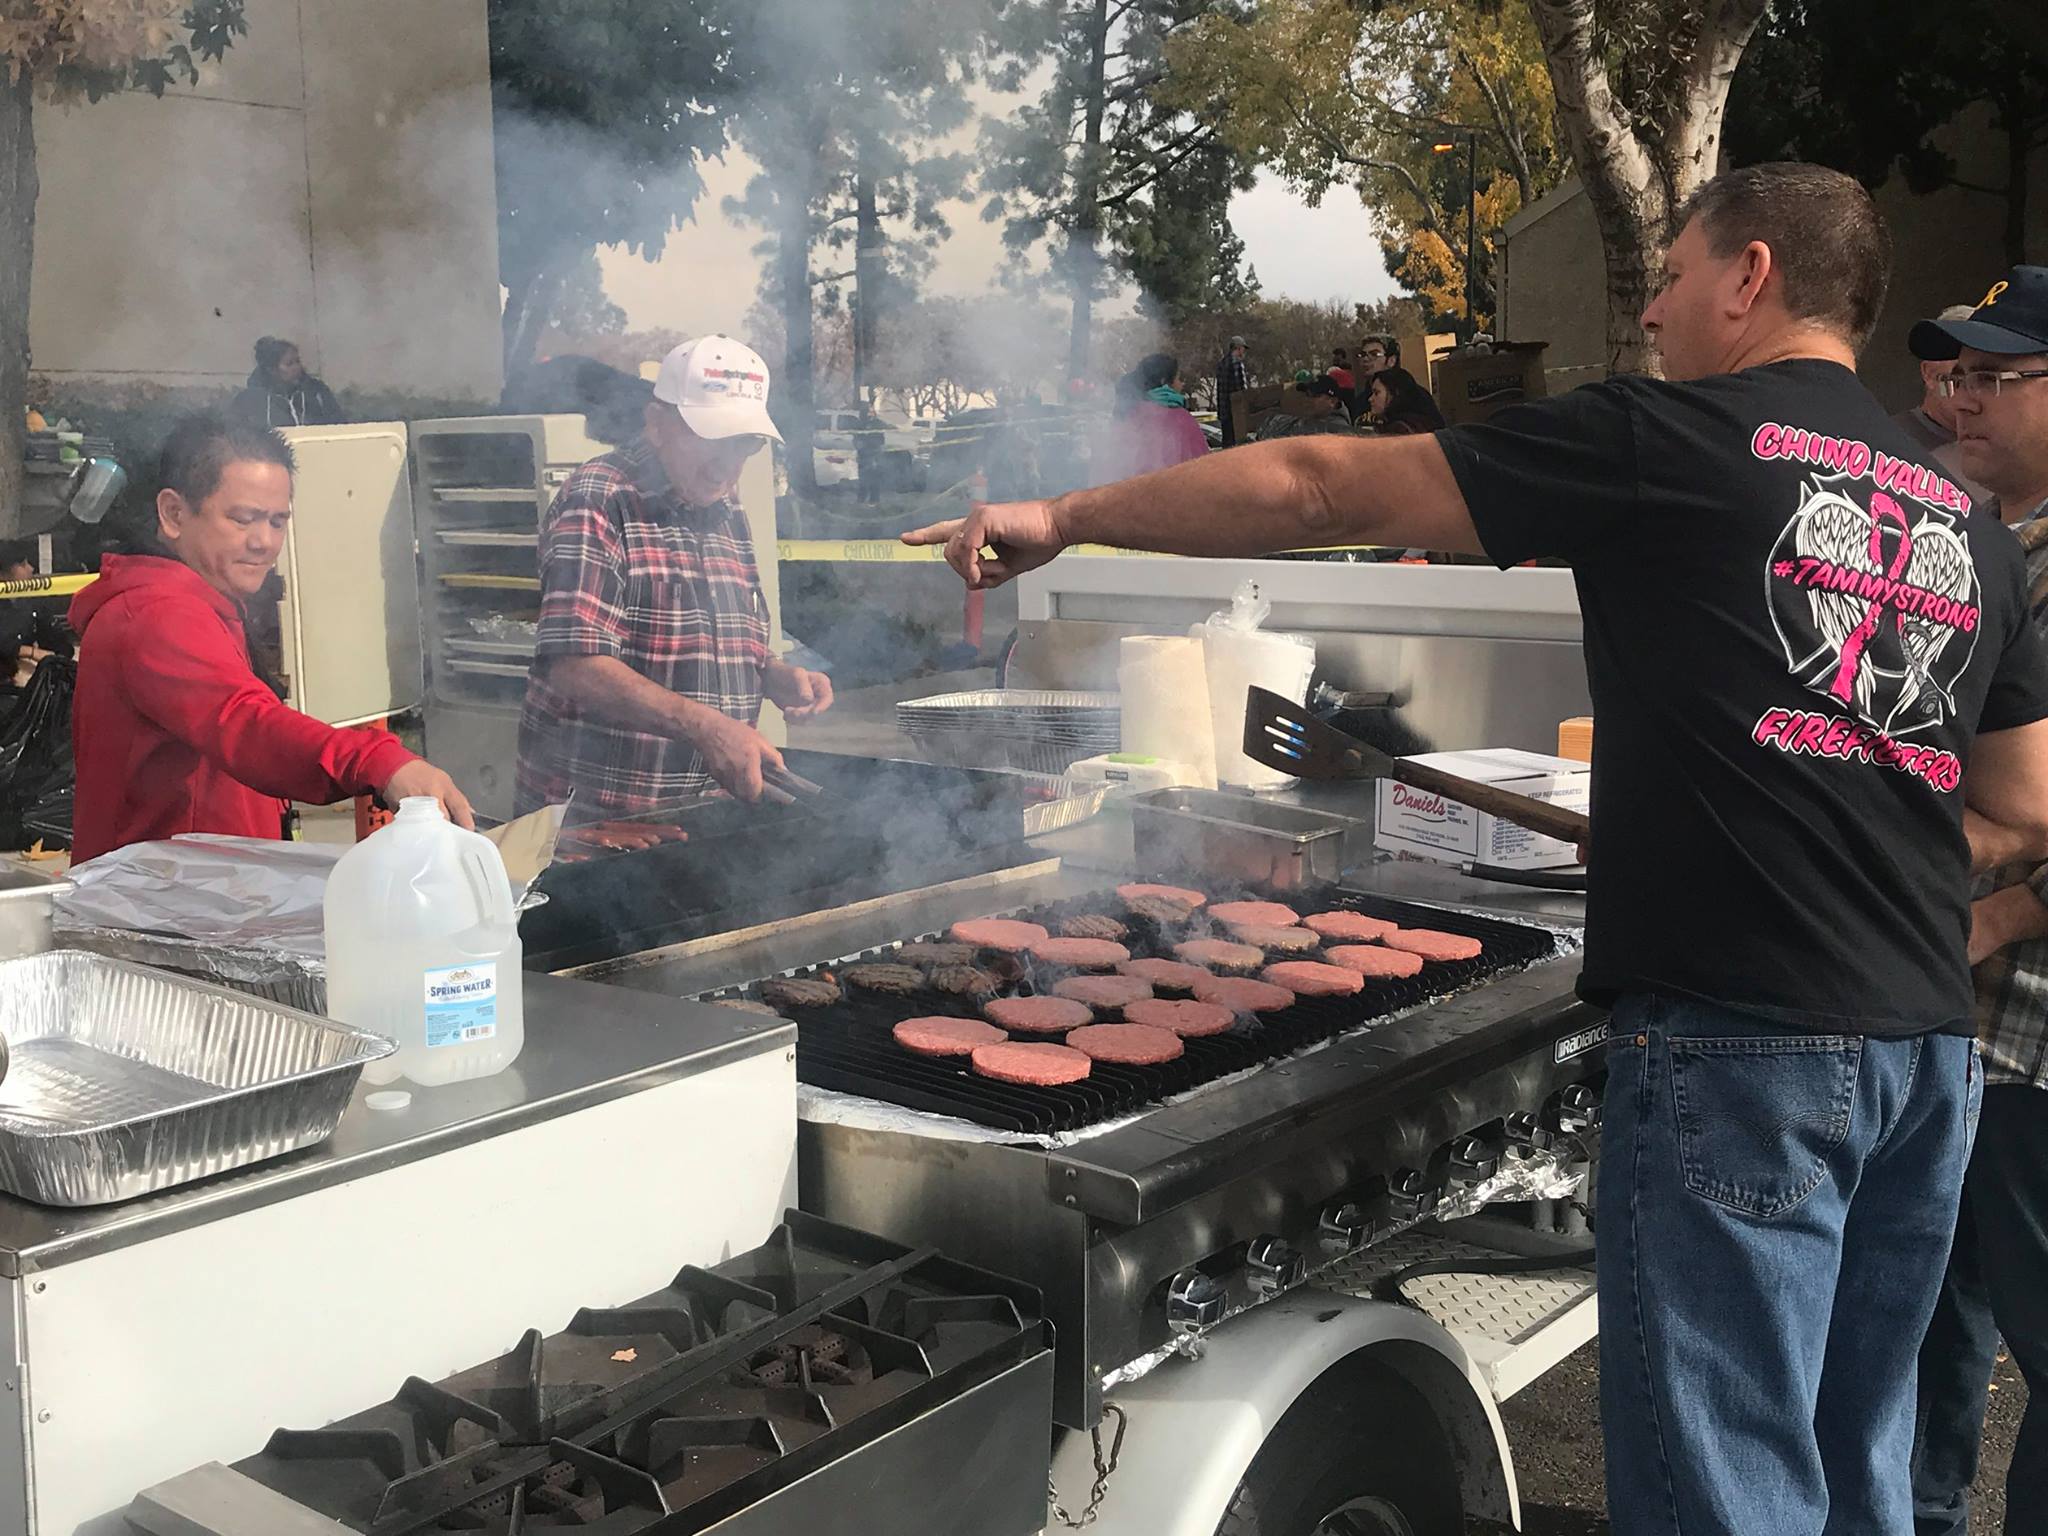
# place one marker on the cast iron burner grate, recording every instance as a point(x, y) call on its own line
point(678, 1409)
point(847, 1047)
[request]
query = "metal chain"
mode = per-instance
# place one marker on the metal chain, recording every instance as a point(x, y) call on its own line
point(1105, 1467)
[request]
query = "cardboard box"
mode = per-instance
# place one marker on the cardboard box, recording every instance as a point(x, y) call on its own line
point(1471, 386)
point(1418, 824)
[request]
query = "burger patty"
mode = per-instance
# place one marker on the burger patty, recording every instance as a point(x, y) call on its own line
point(1221, 954)
point(1183, 1018)
point(1035, 1065)
point(1132, 1045)
point(945, 1036)
point(1241, 994)
point(934, 952)
point(884, 977)
point(1286, 941)
point(1311, 978)
point(963, 981)
point(1267, 913)
point(1180, 896)
point(801, 992)
point(1104, 991)
point(1038, 1015)
point(1374, 960)
point(1433, 945)
point(1081, 954)
point(1092, 926)
point(1003, 933)
point(1174, 975)
point(1160, 910)
point(1349, 927)
point(748, 1005)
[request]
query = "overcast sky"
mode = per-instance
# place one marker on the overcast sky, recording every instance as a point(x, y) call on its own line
point(709, 277)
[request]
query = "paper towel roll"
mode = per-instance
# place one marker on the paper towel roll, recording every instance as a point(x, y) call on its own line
point(1165, 691)
point(1236, 660)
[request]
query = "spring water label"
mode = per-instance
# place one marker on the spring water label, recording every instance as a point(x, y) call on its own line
point(462, 1004)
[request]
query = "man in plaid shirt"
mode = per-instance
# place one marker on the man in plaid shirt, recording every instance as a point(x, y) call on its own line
point(1997, 1280)
point(1231, 378)
point(652, 657)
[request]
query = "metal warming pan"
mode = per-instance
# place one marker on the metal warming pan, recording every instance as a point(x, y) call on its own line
point(125, 1080)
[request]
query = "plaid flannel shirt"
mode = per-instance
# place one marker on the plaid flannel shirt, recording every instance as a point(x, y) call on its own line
point(628, 571)
point(1231, 376)
point(2012, 985)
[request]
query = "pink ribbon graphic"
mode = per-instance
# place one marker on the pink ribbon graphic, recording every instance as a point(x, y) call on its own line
point(1882, 507)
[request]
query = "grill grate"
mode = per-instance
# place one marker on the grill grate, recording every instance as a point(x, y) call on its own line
point(847, 1047)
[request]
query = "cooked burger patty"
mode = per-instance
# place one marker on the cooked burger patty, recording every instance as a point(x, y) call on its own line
point(1221, 954)
point(1286, 941)
point(1374, 960)
point(1433, 945)
point(1183, 1018)
point(1241, 994)
point(1003, 933)
point(1038, 1015)
point(748, 1005)
point(1161, 910)
point(1081, 954)
point(1092, 926)
point(1269, 913)
point(1349, 927)
point(800, 991)
point(881, 976)
point(1036, 1065)
point(945, 1037)
point(1133, 1045)
point(1174, 975)
point(1104, 991)
point(934, 952)
point(1180, 896)
point(963, 981)
point(1311, 978)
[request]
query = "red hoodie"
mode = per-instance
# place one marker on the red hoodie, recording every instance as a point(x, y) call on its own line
point(174, 732)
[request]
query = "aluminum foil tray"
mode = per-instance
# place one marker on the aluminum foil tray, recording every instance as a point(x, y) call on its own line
point(124, 1080)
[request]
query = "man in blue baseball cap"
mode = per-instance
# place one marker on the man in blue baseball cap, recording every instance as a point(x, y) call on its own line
point(1997, 1280)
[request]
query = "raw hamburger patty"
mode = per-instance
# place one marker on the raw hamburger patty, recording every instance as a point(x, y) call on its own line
point(998, 933)
point(1241, 994)
point(1081, 954)
point(1158, 909)
point(1178, 895)
point(946, 1037)
point(1311, 978)
point(962, 981)
point(1134, 1045)
point(880, 976)
point(934, 952)
point(1374, 960)
point(1288, 941)
point(1350, 927)
point(1092, 926)
point(1174, 975)
point(1269, 913)
point(1432, 945)
point(1183, 1018)
point(1038, 1066)
point(1038, 1015)
point(1104, 991)
point(1221, 954)
point(800, 992)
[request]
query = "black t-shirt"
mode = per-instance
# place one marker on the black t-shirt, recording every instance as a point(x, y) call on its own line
point(1794, 626)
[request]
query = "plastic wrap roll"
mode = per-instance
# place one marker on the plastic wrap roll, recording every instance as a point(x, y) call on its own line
point(1165, 689)
point(1236, 660)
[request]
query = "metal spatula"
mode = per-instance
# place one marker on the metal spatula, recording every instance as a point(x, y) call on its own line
point(1279, 733)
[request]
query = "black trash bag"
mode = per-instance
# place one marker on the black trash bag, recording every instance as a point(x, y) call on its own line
point(36, 768)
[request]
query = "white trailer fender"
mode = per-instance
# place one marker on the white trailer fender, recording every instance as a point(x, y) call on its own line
point(1195, 1425)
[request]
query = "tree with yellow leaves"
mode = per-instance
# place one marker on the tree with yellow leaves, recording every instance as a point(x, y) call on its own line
point(70, 50)
point(1333, 93)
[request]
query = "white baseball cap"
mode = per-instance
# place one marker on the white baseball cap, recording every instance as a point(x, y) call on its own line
point(719, 386)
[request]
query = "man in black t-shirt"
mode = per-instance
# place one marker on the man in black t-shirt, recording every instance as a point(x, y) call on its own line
point(1798, 635)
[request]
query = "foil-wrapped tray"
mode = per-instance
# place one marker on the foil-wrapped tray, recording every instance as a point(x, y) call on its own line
point(124, 1080)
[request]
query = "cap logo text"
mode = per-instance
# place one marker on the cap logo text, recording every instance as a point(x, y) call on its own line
point(1997, 288)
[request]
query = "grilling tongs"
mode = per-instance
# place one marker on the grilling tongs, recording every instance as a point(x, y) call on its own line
point(1279, 733)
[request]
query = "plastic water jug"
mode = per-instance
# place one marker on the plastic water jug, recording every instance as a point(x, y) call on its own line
point(423, 947)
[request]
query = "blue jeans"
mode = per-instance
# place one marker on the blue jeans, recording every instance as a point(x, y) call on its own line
point(1775, 1212)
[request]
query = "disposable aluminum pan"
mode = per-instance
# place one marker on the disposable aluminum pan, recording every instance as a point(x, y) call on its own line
point(125, 1080)
point(1215, 833)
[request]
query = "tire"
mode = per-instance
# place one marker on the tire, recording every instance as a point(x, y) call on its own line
point(1359, 1454)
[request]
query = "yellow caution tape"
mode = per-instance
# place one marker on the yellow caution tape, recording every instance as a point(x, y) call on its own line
point(46, 586)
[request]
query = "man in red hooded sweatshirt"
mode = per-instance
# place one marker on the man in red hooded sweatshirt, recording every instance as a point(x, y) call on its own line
point(173, 730)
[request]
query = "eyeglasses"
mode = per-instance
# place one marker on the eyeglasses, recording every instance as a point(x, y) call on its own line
point(1986, 381)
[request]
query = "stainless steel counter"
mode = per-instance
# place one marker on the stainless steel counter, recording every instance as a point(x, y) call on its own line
point(585, 1045)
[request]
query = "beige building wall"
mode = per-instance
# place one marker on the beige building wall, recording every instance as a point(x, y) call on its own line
point(329, 181)
point(1948, 247)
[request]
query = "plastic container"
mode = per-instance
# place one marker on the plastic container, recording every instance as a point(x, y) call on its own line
point(423, 947)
